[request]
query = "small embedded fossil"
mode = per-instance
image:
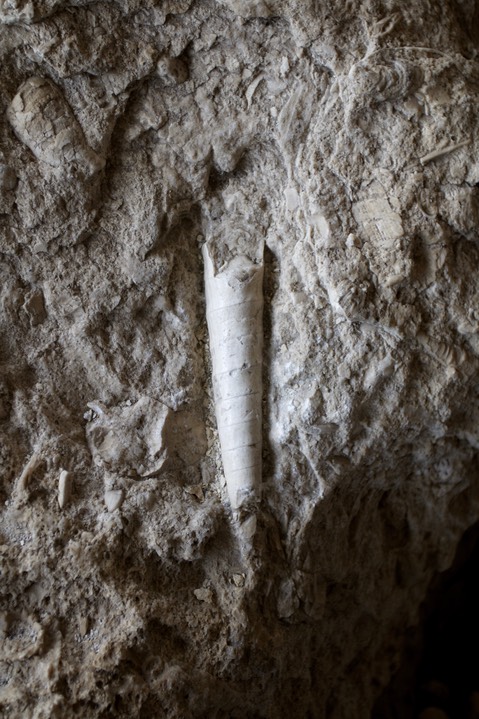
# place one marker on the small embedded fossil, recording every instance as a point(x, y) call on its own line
point(440, 152)
point(28, 471)
point(65, 485)
point(388, 80)
point(234, 311)
point(113, 499)
point(44, 121)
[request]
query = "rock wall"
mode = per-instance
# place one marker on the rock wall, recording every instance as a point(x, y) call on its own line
point(343, 138)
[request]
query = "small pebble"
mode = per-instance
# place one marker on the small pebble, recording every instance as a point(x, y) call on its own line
point(197, 491)
point(113, 499)
point(239, 580)
point(204, 595)
point(65, 485)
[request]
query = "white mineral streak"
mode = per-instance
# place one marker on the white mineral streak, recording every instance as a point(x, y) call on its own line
point(234, 311)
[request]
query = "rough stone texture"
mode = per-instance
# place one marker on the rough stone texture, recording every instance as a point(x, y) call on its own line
point(130, 133)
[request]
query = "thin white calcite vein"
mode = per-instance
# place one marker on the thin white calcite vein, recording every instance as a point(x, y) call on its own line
point(234, 313)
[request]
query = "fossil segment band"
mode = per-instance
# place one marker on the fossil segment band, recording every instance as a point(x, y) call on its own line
point(234, 312)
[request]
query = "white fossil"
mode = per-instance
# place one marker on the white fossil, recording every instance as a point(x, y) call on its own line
point(28, 471)
point(234, 311)
point(65, 485)
point(113, 499)
point(435, 154)
point(44, 121)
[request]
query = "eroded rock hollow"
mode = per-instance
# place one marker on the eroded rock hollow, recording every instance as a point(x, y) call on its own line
point(323, 158)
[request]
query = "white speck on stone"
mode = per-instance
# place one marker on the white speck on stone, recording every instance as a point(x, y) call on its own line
point(113, 499)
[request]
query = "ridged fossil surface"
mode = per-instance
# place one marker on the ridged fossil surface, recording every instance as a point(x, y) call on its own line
point(234, 309)
point(239, 322)
point(43, 120)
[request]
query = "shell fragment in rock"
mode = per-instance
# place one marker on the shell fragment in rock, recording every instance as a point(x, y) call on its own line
point(28, 471)
point(386, 80)
point(234, 311)
point(44, 121)
point(113, 499)
point(65, 486)
point(130, 439)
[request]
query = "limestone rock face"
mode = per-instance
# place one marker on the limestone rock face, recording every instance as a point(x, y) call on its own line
point(343, 137)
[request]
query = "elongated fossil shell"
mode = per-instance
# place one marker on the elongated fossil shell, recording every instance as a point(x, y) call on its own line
point(234, 312)
point(44, 121)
